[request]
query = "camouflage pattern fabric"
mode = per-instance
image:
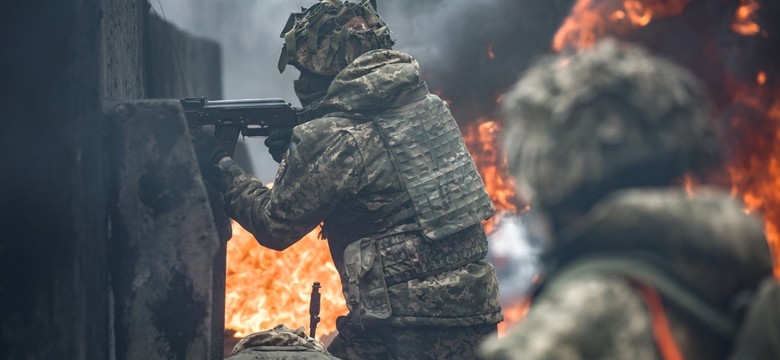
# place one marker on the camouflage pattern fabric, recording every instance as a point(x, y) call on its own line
point(690, 234)
point(437, 163)
point(594, 317)
point(423, 139)
point(327, 36)
point(391, 343)
point(706, 240)
point(369, 84)
point(577, 123)
point(280, 343)
point(595, 139)
point(338, 170)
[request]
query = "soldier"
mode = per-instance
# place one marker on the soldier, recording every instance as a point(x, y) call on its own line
point(637, 269)
point(380, 162)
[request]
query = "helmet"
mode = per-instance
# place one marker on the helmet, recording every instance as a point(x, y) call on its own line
point(581, 125)
point(326, 37)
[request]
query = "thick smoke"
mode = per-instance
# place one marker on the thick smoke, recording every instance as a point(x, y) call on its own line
point(450, 38)
point(454, 39)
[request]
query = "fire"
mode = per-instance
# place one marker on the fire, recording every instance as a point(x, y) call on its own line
point(761, 78)
point(592, 19)
point(266, 287)
point(744, 22)
point(481, 139)
point(491, 54)
point(689, 184)
point(753, 108)
point(513, 314)
point(755, 167)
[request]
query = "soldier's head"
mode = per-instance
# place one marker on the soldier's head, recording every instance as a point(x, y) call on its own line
point(582, 125)
point(328, 36)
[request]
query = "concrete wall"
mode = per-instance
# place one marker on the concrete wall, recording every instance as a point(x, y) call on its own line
point(61, 63)
point(123, 28)
point(163, 237)
point(53, 297)
point(182, 65)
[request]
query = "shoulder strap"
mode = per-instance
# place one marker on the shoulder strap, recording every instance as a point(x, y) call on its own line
point(671, 288)
point(662, 333)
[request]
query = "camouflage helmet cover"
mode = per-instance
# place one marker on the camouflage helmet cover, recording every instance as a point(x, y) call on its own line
point(322, 40)
point(593, 120)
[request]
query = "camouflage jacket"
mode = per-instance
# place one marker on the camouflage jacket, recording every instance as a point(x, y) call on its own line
point(705, 242)
point(337, 170)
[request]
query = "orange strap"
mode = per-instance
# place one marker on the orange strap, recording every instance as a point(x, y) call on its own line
point(661, 331)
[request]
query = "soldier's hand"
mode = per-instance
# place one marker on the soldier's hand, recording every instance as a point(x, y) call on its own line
point(209, 152)
point(278, 141)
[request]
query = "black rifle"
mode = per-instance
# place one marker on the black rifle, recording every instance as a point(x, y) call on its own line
point(247, 117)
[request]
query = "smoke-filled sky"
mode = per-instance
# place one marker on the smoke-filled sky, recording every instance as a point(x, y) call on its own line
point(450, 38)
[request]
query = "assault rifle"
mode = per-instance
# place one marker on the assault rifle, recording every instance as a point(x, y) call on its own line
point(247, 117)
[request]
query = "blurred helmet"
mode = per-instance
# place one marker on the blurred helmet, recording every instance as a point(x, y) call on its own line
point(581, 125)
point(326, 37)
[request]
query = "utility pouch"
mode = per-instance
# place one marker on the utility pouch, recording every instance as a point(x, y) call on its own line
point(365, 289)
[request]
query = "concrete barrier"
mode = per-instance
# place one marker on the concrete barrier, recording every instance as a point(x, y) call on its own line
point(163, 236)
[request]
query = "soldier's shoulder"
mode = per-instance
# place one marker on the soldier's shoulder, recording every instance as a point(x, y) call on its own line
point(597, 288)
point(322, 128)
point(560, 324)
point(335, 123)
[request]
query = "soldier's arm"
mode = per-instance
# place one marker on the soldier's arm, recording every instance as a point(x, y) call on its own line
point(323, 168)
point(594, 317)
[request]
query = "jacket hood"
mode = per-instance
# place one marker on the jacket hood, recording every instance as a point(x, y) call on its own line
point(368, 84)
point(706, 239)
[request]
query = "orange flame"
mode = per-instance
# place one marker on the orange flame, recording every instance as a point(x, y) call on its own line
point(590, 20)
point(266, 287)
point(513, 314)
point(491, 54)
point(689, 184)
point(744, 22)
point(755, 168)
point(481, 139)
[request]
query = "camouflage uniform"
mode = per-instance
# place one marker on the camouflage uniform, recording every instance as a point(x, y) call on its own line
point(636, 270)
point(706, 242)
point(416, 288)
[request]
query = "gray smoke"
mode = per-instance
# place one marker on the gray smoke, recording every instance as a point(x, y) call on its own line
point(450, 38)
